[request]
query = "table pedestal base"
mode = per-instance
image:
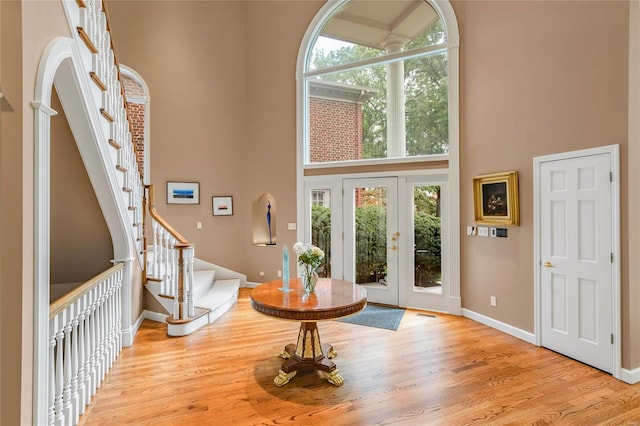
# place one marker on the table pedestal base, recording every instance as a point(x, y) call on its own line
point(308, 354)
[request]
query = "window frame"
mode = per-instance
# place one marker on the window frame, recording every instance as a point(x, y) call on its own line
point(306, 172)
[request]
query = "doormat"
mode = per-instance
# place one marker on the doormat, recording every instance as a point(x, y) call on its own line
point(377, 316)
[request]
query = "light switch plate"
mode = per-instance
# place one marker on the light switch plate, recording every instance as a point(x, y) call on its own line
point(483, 231)
point(291, 226)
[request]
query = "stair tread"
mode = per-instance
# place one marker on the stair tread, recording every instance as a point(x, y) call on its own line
point(220, 293)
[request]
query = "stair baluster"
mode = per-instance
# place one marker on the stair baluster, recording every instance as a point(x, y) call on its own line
point(171, 262)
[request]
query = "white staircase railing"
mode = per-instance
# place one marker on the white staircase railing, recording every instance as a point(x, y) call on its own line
point(84, 341)
point(169, 260)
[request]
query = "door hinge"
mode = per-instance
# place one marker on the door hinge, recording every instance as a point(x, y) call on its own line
point(612, 339)
point(611, 257)
point(610, 176)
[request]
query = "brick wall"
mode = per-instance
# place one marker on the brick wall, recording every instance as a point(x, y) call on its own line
point(135, 107)
point(136, 119)
point(335, 130)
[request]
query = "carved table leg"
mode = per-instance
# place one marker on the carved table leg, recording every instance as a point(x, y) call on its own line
point(308, 354)
point(283, 378)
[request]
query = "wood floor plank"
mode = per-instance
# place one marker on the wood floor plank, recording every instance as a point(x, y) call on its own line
point(438, 370)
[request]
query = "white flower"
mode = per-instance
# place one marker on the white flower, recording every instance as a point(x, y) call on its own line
point(308, 254)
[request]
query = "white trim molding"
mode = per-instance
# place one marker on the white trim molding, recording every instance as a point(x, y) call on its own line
point(499, 325)
point(630, 376)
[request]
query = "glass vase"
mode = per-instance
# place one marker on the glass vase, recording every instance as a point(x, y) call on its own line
point(309, 280)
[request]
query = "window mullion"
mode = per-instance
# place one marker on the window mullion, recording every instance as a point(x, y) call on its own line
point(424, 51)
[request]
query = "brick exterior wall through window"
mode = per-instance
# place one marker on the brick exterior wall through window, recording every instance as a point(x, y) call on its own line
point(335, 130)
point(133, 91)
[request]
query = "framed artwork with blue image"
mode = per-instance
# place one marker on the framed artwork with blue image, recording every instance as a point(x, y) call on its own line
point(183, 192)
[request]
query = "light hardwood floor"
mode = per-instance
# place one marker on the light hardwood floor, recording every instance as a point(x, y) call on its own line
point(442, 370)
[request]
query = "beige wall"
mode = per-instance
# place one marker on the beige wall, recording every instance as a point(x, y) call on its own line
point(11, 214)
point(536, 78)
point(222, 113)
point(81, 246)
point(20, 57)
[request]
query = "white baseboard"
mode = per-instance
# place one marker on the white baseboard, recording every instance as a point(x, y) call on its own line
point(498, 325)
point(630, 376)
point(154, 316)
point(249, 284)
point(455, 305)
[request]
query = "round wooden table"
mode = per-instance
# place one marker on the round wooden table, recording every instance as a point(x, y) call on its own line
point(331, 299)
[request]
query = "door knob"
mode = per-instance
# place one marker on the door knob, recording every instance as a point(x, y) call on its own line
point(395, 236)
point(547, 264)
point(393, 247)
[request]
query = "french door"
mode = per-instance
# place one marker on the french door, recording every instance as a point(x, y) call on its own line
point(371, 236)
point(388, 234)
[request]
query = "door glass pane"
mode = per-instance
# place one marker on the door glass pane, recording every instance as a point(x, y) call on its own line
point(371, 235)
point(427, 238)
point(321, 227)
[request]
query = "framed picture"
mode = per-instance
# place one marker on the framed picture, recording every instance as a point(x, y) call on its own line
point(222, 206)
point(495, 199)
point(183, 192)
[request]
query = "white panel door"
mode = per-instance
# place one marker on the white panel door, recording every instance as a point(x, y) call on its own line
point(576, 258)
point(371, 237)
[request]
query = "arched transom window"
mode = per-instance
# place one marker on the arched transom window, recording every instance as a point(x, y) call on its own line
point(376, 84)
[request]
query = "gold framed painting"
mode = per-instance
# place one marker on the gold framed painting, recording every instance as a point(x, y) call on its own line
point(495, 199)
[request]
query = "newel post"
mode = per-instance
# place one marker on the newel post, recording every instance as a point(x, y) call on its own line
point(181, 308)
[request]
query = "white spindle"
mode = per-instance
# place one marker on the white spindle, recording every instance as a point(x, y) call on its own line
point(189, 281)
point(172, 266)
point(82, 397)
point(119, 311)
point(75, 399)
point(166, 237)
point(52, 373)
point(66, 362)
point(101, 334)
point(59, 379)
point(93, 334)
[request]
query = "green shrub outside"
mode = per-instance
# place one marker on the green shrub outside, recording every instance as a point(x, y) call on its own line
point(371, 250)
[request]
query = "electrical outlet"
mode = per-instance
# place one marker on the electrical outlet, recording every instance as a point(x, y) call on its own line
point(279, 273)
point(493, 301)
point(261, 274)
point(292, 226)
point(198, 225)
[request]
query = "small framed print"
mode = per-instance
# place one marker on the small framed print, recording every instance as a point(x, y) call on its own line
point(222, 206)
point(496, 199)
point(183, 192)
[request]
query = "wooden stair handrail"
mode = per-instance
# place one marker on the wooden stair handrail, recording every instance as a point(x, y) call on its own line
point(154, 214)
point(68, 299)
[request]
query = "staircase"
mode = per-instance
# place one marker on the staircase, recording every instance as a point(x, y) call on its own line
point(212, 296)
point(193, 292)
